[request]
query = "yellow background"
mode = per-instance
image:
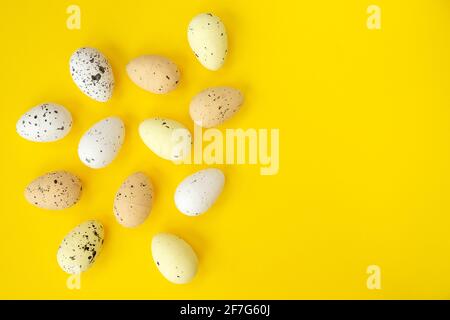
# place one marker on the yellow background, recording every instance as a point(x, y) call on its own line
point(364, 119)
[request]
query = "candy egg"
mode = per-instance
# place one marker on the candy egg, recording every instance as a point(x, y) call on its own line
point(79, 249)
point(133, 201)
point(167, 138)
point(207, 37)
point(54, 190)
point(45, 123)
point(198, 192)
point(101, 143)
point(154, 73)
point(174, 258)
point(92, 73)
point(213, 106)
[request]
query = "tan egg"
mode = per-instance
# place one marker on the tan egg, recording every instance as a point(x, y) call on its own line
point(154, 73)
point(134, 200)
point(54, 190)
point(213, 106)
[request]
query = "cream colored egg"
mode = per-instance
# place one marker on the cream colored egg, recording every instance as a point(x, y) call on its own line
point(208, 39)
point(174, 258)
point(167, 138)
point(213, 106)
point(154, 73)
point(54, 190)
point(133, 201)
point(79, 249)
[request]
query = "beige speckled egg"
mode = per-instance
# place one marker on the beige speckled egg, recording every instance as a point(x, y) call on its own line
point(54, 190)
point(174, 258)
point(79, 249)
point(154, 73)
point(133, 201)
point(213, 106)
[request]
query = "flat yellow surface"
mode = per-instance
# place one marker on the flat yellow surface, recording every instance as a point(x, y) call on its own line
point(364, 179)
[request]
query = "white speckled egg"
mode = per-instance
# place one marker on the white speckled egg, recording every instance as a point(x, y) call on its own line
point(198, 192)
point(213, 106)
point(45, 123)
point(92, 73)
point(167, 138)
point(79, 249)
point(207, 37)
point(54, 190)
point(174, 258)
point(101, 143)
point(154, 73)
point(133, 201)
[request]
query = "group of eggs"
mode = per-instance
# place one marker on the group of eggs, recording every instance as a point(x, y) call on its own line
point(92, 73)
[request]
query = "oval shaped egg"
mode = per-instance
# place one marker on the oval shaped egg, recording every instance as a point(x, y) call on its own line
point(101, 143)
point(133, 201)
point(79, 249)
point(207, 37)
point(154, 73)
point(174, 258)
point(54, 190)
point(198, 192)
point(46, 122)
point(92, 73)
point(213, 106)
point(167, 138)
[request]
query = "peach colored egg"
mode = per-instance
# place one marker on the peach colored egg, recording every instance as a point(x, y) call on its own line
point(54, 190)
point(213, 106)
point(154, 73)
point(134, 200)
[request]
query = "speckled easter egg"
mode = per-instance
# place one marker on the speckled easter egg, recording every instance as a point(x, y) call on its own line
point(213, 106)
point(207, 37)
point(133, 201)
point(167, 138)
point(92, 73)
point(54, 190)
point(198, 192)
point(174, 258)
point(101, 143)
point(46, 122)
point(154, 73)
point(79, 249)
